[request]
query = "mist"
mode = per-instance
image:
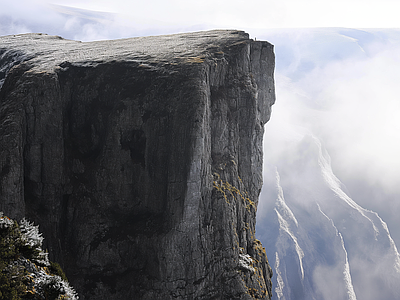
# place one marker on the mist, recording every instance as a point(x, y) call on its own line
point(24, 16)
point(332, 141)
point(341, 86)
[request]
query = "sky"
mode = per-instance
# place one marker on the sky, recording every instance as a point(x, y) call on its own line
point(119, 18)
point(337, 72)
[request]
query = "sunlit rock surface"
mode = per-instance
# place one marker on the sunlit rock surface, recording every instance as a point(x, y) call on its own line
point(141, 159)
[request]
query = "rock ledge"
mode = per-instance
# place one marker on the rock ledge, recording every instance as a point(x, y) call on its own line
point(141, 159)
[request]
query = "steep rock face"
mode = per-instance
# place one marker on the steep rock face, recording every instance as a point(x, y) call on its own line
point(141, 159)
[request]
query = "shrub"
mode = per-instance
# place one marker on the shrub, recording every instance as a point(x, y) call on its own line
point(25, 270)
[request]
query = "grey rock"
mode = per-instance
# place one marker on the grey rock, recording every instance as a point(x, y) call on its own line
point(141, 159)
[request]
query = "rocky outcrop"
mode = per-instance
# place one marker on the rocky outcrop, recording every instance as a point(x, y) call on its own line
point(140, 159)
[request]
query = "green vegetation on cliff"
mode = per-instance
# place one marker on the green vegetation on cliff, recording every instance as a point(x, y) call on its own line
point(25, 270)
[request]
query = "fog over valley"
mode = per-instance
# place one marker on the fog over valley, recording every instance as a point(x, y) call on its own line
point(330, 200)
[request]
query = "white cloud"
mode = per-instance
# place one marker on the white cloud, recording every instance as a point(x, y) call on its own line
point(179, 14)
point(341, 87)
point(348, 97)
point(361, 114)
point(254, 13)
point(103, 19)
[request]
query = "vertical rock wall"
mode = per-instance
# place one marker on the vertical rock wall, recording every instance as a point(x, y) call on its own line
point(141, 159)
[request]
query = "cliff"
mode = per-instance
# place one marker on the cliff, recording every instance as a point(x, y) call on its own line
point(140, 159)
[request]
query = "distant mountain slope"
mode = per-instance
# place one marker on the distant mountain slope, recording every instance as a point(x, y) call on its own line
point(335, 92)
point(326, 246)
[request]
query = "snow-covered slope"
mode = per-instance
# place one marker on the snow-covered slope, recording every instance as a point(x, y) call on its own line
point(325, 245)
point(327, 237)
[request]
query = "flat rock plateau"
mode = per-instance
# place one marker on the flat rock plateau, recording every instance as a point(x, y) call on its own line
point(140, 159)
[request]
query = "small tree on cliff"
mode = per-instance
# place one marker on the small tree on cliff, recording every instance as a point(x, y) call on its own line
point(25, 270)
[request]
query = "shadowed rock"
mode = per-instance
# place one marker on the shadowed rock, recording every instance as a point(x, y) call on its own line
point(141, 159)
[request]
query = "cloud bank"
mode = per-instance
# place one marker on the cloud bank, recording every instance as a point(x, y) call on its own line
point(341, 86)
point(70, 22)
point(88, 20)
point(334, 138)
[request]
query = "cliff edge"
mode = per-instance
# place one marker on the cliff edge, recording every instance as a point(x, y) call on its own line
point(140, 159)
